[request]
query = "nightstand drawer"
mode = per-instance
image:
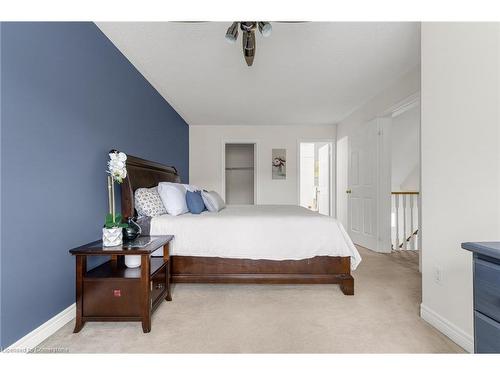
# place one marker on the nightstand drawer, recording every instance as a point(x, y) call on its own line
point(110, 297)
point(158, 284)
point(487, 334)
point(487, 288)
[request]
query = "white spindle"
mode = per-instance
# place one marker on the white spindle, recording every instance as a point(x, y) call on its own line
point(418, 246)
point(412, 228)
point(396, 202)
point(393, 222)
point(392, 215)
point(404, 224)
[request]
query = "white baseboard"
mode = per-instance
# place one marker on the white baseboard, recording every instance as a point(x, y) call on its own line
point(38, 335)
point(446, 327)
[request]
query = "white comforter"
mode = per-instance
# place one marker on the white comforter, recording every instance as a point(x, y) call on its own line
point(257, 232)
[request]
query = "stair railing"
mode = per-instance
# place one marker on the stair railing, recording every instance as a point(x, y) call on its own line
point(405, 207)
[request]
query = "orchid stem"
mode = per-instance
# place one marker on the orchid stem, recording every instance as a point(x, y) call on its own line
point(113, 199)
point(110, 205)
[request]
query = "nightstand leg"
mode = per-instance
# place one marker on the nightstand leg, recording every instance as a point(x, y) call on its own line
point(146, 325)
point(81, 268)
point(78, 325)
point(166, 259)
point(146, 298)
point(169, 296)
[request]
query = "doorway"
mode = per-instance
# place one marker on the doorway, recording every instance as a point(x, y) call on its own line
point(383, 169)
point(239, 173)
point(315, 176)
point(405, 178)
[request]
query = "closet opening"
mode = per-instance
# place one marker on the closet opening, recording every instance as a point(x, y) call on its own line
point(239, 173)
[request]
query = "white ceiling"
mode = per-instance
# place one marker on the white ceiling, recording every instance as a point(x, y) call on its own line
point(304, 73)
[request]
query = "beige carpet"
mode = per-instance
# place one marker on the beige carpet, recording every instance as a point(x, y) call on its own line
point(382, 317)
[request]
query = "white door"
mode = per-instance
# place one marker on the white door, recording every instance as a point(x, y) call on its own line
point(368, 201)
point(324, 180)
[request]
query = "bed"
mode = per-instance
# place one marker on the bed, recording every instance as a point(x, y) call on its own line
point(246, 244)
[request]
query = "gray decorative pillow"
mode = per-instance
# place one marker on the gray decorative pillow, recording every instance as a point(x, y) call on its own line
point(213, 201)
point(148, 202)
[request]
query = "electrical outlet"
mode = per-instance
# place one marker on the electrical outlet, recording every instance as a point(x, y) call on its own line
point(438, 275)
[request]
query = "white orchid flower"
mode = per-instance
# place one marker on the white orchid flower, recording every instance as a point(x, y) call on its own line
point(116, 166)
point(118, 176)
point(122, 156)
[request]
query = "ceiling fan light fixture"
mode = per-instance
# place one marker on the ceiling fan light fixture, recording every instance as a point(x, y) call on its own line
point(265, 29)
point(248, 29)
point(247, 25)
point(232, 33)
point(249, 46)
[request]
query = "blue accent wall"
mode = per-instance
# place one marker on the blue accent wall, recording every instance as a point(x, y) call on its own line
point(67, 97)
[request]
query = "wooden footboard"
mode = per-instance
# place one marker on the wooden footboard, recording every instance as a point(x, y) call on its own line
point(317, 270)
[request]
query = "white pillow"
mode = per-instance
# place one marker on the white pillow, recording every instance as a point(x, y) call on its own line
point(213, 201)
point(191, 187)
point(148, 202)
point(173, 196)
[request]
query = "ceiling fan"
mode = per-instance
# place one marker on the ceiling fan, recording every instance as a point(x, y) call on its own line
point(248, 39)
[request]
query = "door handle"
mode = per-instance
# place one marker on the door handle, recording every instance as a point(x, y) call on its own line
point(348, 191)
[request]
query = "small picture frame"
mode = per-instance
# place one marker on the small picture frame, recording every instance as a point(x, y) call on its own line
point(279, 164)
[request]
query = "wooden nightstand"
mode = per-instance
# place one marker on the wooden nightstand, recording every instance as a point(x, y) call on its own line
point(114, 292)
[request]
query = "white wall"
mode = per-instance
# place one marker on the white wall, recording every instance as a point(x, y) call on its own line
point(405, 86)
point(460, 137)
point(206, 158)
point(405, 150)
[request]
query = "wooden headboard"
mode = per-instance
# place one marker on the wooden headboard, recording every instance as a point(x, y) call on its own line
point(143, 173)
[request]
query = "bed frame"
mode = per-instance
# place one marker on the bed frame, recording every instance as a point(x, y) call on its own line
point(189, 269)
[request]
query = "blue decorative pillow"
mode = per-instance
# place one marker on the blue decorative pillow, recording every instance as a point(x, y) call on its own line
point(194, 202)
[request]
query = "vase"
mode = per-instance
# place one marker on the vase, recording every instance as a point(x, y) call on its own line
point(133, 261)
point(112, 237)
point(131, 232)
